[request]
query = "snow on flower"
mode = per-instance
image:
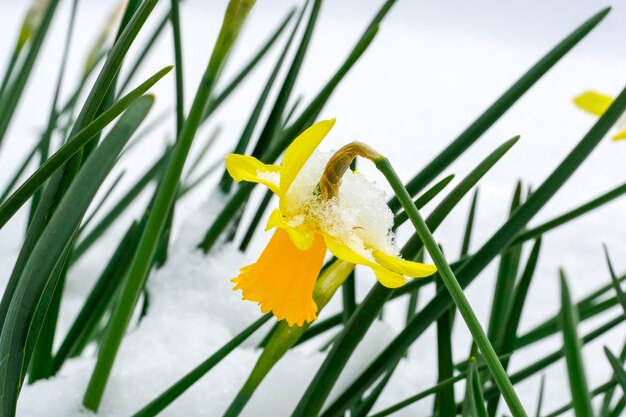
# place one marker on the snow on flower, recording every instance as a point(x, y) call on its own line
point(355, 225)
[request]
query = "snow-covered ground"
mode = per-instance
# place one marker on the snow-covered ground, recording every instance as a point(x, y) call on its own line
point(430, 72)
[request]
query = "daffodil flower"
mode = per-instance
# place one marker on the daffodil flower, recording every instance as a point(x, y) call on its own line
point(597, 103)
point(354, 225)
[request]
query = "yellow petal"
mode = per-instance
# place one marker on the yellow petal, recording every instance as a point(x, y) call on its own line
point(248, 168)
point(388, 269)
point(300, 150)
point(593, 102)
point(343, 252)
point(282, 280)
point(620, 135)
point(402, 266)
point(388, 278)
point(301, 237)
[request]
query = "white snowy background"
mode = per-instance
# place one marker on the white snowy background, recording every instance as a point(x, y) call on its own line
point(433, 67)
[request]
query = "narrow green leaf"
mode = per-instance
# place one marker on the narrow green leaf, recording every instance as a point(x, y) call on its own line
point(619, 407)
point(171, 394)
point(147, 47)
point(274, 120)
point(424, 394)
point(572, 352)
point(178, 60)
point(473, 132)
point(608, 396)
point(424, 199)
point(242, 144)
point(505, 282)
point(44, 147)
point(254, 223)
point(444, 401)
point(503, 294)
point(71, 147)
point(219, 98)
point(514, 314)
point(165, 196)
point(586, 310)
point(34, 288)
point(348, 295)
point(105, 197)
point(616, 282)
point(444, 208)
point(86, 241)
point(570, 215)
point(41, 358)
point(202, 153)
point(20, 171)
point(8, 72)
point(99, 298)
point(599, 390)
point(542, 389)
point(475, 393)
point(469, 225)
point(455, 290)
point(618, 368)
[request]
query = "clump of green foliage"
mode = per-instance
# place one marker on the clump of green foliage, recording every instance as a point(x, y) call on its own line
point(107, 109)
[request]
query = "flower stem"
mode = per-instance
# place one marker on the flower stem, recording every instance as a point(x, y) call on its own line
point(455, 290)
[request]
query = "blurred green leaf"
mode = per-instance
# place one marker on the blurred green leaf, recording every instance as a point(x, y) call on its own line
point(12, 93)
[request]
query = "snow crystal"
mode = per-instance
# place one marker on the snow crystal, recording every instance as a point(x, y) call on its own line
point(358, 216)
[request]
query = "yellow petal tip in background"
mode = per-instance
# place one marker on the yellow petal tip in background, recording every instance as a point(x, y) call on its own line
point(593, 102)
